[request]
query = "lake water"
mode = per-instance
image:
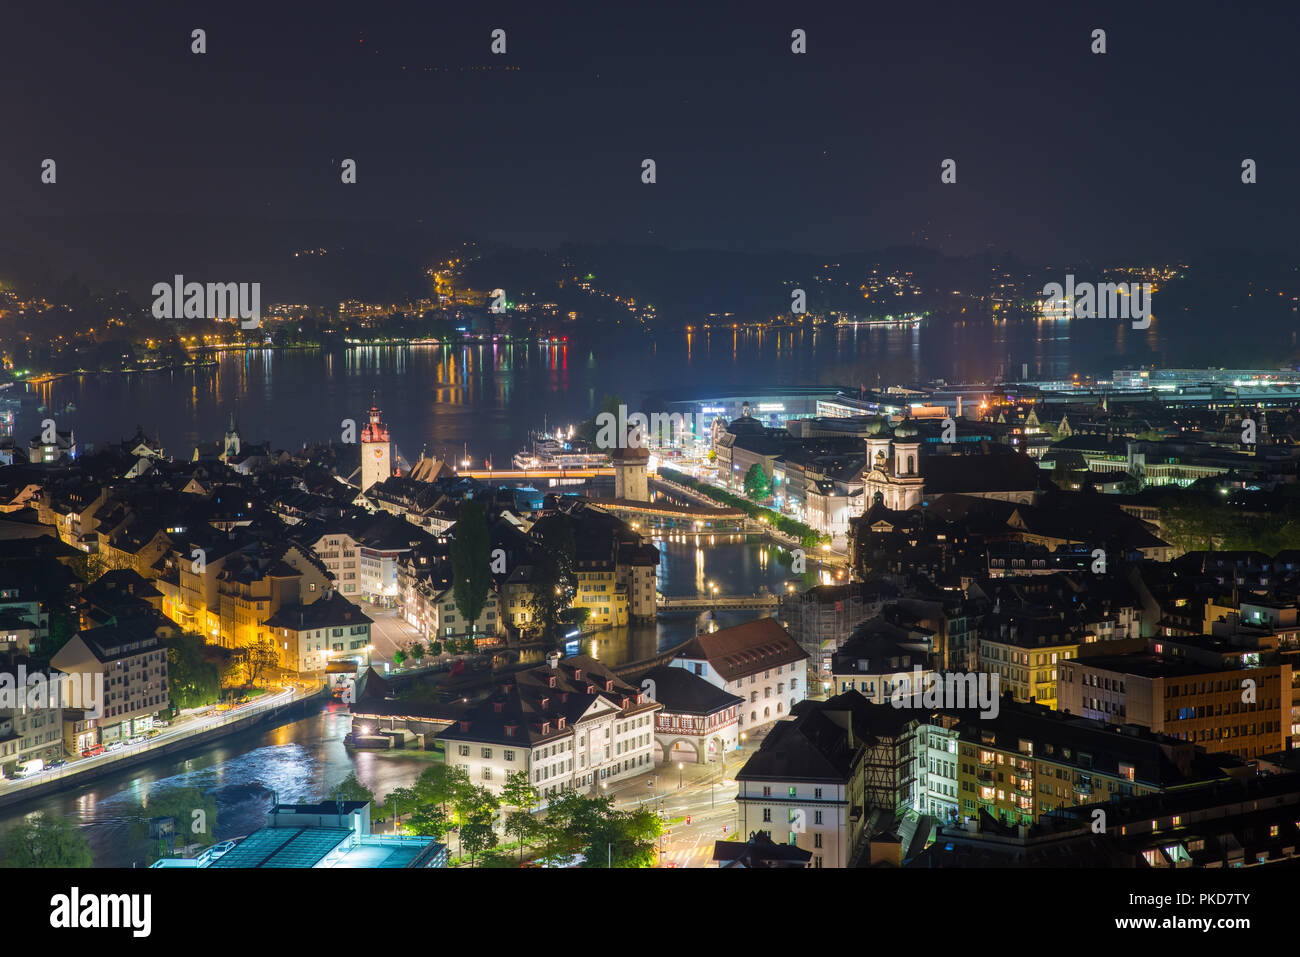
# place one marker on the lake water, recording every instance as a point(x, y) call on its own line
point(489, 396)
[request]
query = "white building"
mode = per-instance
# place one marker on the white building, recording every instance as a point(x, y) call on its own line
point(758, 662)
point(569, 724)
point(808, 785)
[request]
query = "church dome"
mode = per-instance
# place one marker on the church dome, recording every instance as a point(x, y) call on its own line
point(906, 430)
point(877, 425)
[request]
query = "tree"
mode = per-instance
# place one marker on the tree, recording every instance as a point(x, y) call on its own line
point(193, 678)
point(351, 789)
point(577, 824)
point(475, 802)
point(443, 784)
point(259, 656)
point(525, 828)
point(553, 583)
point(401, 801)
point(570, 819)
point(428, 821)
point(575, 616)
point(474, 808)
point(417, 652)
point(192, 814)
point(398, 657)
point(519, 794)
point(471, 560)
point(757, 485)
point(477, 836)
point(100, 563)
point(628, 839)
point(46, 841)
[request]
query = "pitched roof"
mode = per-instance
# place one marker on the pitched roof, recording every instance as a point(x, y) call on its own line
point(681, 692)
point(743, 650)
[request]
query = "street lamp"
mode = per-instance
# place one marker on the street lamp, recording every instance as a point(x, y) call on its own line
point(679, 775)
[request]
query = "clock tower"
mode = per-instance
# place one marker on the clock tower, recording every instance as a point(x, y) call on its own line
point(376, 460)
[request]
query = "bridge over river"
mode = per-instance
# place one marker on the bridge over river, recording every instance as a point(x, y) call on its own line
point(762, 600)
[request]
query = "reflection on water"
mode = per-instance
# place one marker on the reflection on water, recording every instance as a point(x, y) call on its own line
point(491, 394)
point(299, 761)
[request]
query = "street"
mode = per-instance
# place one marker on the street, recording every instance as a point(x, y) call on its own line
point(389, 631)
point(706, 795)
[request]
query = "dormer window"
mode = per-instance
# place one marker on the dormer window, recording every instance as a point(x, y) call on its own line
point(511, 729)
point(464, 725)
point(546, 727)
point(577, 674)
point(498, 706)
point(560, 723)
point(545, 703)
point(609, 685)
point(551, 681)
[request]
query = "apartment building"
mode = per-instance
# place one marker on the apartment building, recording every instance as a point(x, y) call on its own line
point(878, 660)
point(30, 733)
point(570, 724)
point(1222, 698)
point(230, 594)
point(757, 661)
point(815, 779)
point(1029, 761)
point(309, 636)
point(132, 658)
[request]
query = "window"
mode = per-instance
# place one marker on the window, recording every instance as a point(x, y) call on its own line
point(487, 753)
point(767, 815)
point(509, 755)
point(463, 750)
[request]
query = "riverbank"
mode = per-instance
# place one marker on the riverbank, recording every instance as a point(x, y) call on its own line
point(289, 706)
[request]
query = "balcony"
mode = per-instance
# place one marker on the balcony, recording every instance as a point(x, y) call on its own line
point(1083, 790)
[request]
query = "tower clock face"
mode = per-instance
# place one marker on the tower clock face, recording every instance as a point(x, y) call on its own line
point(379, 454)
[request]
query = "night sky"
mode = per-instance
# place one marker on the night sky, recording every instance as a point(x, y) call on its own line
point(164, 155)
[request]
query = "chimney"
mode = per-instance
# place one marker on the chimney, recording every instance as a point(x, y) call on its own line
point(553, 659)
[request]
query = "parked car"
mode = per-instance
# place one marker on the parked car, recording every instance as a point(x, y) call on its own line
point(93, 752)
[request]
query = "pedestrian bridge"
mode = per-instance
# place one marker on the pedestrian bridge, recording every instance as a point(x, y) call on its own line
point(761, 600)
